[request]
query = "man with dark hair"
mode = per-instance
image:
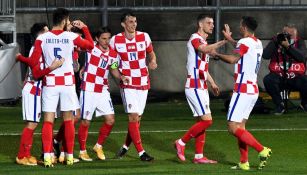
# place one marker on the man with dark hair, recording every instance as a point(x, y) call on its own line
point(59, 84)
point(288, 49)
point(31, 98)
point(196, 89)
point(95, 96)
point(246, 57)
point(132, 47)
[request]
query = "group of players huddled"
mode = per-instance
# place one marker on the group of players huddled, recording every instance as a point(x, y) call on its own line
point(50, 87)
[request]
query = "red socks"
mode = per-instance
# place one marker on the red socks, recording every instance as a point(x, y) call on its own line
point(200, 143)
point(128, 138)
point(47, 136)
point(247, 138)
point(26, 141)
point(82, 136)
point(69, 135)
point(197, 129)
point(243, 151)
point(135, 135)
point(104, 132)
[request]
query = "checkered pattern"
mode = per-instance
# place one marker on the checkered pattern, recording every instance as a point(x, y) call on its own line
point(133, 58)
point(246, 69)
point(66, 79)
point(197, 63)
point(97, 69)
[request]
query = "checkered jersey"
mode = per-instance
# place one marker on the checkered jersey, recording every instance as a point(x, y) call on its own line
point(97, 69)
point(133, 58)
point(30, 84)
point(56, 44)
point(246, 69)
point(197, 63)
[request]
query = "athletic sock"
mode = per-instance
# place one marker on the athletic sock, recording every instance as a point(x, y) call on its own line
point(82, 135)
point(135, 136)
point(104, 132)
point(196, 129)
point(200, 143)
point(243, 151)
point(47, 136)
point(69, 136)
point(128, 137)
point(60, 135)
point(26, 141)
point(246, 137)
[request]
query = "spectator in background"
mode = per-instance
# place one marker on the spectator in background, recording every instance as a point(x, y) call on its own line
point(288, 49)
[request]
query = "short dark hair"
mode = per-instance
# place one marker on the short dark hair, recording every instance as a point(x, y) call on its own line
point(126, 14)
point(102, 30)
point(202, 16)
point(249, 22)
point(59, 15)
point(76, 30)
point(36, 28)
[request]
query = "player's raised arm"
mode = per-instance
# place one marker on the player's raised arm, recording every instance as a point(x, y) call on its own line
point(227, 34)
point(207, 48)
point(232, 59)
point(87, 42)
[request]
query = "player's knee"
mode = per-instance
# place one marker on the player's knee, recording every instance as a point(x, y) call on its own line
point(85, 122)
point(31, 125)
point(110, 121)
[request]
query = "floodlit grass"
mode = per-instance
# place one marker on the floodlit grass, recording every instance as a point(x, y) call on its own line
point(289, 146)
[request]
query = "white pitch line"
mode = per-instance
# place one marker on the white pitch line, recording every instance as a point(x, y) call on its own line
point(173, 131)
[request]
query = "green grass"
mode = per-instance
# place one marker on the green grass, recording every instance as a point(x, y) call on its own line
point(289, 146)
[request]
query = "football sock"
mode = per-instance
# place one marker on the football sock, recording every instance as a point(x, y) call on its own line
point(69, 136)
point(82, 136)
point(196, 129)
point(60, 135)
point(135, 136)
point(200, 143)
point(47, 136)
point(246, 137)
point(243, 151)
point(26, 141)
point(104, 132)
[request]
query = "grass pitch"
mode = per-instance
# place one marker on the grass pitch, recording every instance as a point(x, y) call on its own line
point(161, 125)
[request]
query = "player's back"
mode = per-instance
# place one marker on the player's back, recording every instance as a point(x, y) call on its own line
point(58, 44)
point(249, 64)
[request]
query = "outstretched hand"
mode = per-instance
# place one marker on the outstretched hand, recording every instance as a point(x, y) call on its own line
point(227, 33)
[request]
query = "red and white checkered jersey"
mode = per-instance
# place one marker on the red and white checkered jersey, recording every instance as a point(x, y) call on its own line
point(197, 63)
point(133, 58)
point(246, 69)
point(97, 69)
point(31, 85)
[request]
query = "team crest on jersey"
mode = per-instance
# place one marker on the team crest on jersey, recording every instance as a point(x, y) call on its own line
point(130, 106)
point(87, 113)
point(141, 45)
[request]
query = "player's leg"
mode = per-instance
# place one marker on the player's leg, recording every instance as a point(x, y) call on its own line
point(240, 108)
point(104, 132)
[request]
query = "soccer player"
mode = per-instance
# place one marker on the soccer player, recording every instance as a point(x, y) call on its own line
point(196, 89)
point(95, 96)
point(31, 98)
point(59, 84)
point(132, 47)
point(247, 58)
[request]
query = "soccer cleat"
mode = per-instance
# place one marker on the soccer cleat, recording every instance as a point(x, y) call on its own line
point(85, 157)
point(204, 160)
point(122, 151)
point(180, 150)
point(241, 166)
point(264, 156)
point(24, 161)
point(280, 110)
point(61, 159)
point(99, 152)
point(32, 160)
point(146, 157)
point(48, 162)
point(69, 160)
point(76, 160)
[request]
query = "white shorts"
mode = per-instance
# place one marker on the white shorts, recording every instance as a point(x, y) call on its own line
point(91, 102)
point(31, 106)
point(67, 95)
point(134, 100)
point(58, 111)
point(198, 100)
point(240, 107)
